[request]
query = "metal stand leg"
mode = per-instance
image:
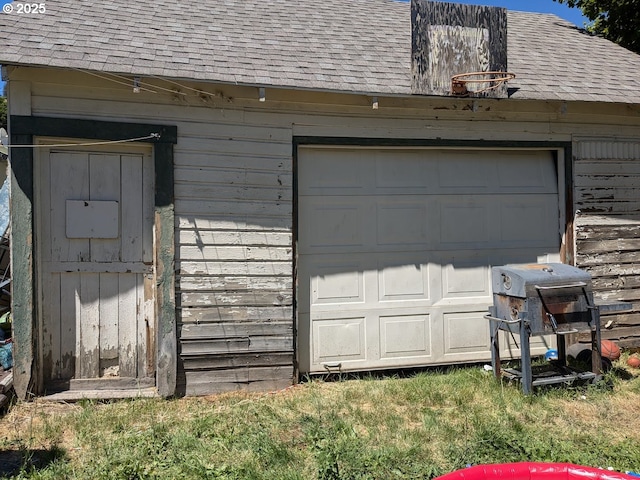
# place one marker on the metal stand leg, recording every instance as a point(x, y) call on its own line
point(495, 345)
point(525, 363)
point(562, 350)
point(596, 357)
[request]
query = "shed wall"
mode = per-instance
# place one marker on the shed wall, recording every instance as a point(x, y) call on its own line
point(234, 189)
point(607, 203)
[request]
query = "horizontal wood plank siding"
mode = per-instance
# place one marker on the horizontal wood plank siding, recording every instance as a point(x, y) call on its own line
point(234, 195)
point(607, 202)
point(234, 256)
point(234, 203)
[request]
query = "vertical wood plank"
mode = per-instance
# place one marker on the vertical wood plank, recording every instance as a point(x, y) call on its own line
point(69, 181)
point(22, 271)
point(127, 315)
point(109, 324)
point(45, 202)
point(146, 330)
point(131, 208)
point(89, 352)
point(51, 328)
point(104, 184)
point(148, 212)
point(69, 323)
point(147, 321)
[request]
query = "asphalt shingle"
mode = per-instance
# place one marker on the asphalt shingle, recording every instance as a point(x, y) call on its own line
point(359, 46)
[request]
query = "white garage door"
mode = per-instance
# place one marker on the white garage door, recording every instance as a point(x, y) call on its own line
point(395, 248)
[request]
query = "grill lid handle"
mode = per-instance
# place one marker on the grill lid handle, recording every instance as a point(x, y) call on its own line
point(557, 287)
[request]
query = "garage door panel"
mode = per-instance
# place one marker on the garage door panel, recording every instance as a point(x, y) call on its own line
point(335, 223)
point(525, 221)
point(464, 222)
point(395, 272)
point(338, 283)
point(466, 170)
point(326, 173)
point(404, 171)
point(405, 336)
point(466, 276)
point(527, 172)
point(524, 255)
point(339, 340)
point(403, 223)
point(466, 333)
point(403, 281)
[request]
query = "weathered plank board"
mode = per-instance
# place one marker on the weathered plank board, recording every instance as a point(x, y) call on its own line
point(225, 208)
point(226, 146)
point(235, 253)
point(109, 317)
point(606, 181)
point(110, 394)
point(589, 195)
point(111, 384)
point(629, 295)
point(623, 336)
point(252, 374)
point(274, 268)
point(625, 319)
point(609, 257)
point(232, 176)
point(88, 346)
point(236, 314)
point(610, 208)
point(229, 223)
point(217, 362)
point(237, 131)
point(595, 232)
point(202, 385)
point(230, 282)
point(600, 246)
point(104, 184)
point(615, 283)
point(254, 344)
point(612, 269)
point(257, 298)
point(239, 329)
point(275, 164)
point(239, 192)
point(216, 237)
point(606, 167)
point(129, 311)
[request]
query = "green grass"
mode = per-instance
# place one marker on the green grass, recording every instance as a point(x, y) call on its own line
point(374, 428)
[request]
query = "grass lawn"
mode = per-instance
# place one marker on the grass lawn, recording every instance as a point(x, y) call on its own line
point(374, 428)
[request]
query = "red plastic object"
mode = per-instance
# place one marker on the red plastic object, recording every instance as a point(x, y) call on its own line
point(534, 471)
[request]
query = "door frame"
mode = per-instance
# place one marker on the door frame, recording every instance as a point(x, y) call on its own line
point(561, 150)
point(28, 378)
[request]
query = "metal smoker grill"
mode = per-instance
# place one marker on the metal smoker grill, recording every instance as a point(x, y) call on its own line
point(543, 299)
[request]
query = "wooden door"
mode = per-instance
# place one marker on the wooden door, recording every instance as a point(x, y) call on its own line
point(95, 244)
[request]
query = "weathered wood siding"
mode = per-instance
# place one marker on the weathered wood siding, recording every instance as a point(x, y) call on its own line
point(607, 225)
point(233, 207)
point(233, 185)
point(234, 192)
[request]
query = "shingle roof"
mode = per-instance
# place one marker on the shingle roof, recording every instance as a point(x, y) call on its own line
point(342, 45)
